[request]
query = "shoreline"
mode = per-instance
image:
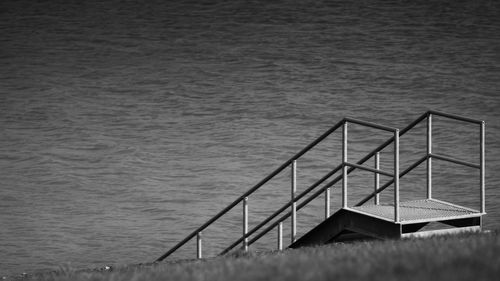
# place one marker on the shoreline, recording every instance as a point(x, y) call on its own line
point(439, 258)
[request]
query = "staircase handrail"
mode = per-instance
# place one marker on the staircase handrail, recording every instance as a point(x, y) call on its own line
point(252, 190)
point(429, 155)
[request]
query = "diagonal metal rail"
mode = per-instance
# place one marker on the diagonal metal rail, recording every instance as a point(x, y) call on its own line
point(252, 190)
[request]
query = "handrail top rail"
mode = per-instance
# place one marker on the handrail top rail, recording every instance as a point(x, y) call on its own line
point(370, 124)
point(455, 116)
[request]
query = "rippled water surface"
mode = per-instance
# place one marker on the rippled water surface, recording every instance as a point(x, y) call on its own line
point(125, 125)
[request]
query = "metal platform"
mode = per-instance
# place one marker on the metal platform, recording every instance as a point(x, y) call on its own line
point(426, 210)
point(377, 221)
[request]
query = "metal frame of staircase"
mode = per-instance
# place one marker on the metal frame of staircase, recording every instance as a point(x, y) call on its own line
point(346, 168)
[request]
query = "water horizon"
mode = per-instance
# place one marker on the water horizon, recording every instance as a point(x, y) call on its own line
point(125, 126)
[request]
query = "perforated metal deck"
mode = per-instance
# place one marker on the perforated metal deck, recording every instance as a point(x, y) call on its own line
point(418, 210)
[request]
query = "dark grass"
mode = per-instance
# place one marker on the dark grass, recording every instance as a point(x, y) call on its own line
point(459, 257)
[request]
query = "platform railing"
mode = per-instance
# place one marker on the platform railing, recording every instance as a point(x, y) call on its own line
point(430, 155)
point(377, 170)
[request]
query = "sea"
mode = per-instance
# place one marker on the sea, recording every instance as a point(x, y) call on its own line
point(125, 125)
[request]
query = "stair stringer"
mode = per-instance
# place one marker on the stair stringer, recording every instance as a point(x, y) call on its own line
point(345, 219)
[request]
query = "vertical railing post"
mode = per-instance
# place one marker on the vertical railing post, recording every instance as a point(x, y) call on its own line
point(482, 168)
point(396, 175)
point(280, 236)
point(294, 204)
point(429, 157)
point(245, 224)
point(344, 166)
point(377, 178)
point(198, 246)
point(327, 203)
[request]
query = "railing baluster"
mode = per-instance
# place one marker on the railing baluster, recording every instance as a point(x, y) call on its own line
point(429, 157)
point(396, 176)
point(344, 167)
point(280, 236)
point(377, 178)
point(294, 204)
point(482, 168)
point(198, 246)
point(245, 224)
point(327, 203)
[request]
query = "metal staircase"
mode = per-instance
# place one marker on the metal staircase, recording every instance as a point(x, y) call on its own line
point(395, 220)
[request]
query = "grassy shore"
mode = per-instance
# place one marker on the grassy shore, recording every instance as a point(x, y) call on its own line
point(461, 257)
